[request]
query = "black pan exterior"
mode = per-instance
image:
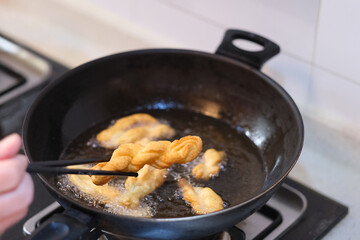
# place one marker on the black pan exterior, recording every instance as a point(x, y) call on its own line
point(163, 79)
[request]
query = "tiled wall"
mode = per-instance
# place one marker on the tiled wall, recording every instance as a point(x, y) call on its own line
point(320, 59)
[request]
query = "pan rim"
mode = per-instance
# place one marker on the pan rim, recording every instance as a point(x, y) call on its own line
point(86, 65)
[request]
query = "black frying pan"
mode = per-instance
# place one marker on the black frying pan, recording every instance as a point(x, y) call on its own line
point(247, 109)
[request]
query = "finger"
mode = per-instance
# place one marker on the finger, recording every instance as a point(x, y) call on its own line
point(12, 172)
point(8, 221)
point(20, 198)
point(9, 146)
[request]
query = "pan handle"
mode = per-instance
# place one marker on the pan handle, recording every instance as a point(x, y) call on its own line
point(69, 225)
point(255, 59)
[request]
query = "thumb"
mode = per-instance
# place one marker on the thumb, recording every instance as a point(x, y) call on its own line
point(10, 146)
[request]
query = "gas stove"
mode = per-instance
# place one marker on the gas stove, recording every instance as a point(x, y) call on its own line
point(294, 212)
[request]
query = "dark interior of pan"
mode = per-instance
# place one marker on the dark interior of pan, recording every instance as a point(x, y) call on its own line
point(226, 102)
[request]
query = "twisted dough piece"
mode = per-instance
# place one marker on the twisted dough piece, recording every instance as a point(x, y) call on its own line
point(202, 200)
point(132, 157)
point(211, 166)
point(136, 128)
point(147, 181)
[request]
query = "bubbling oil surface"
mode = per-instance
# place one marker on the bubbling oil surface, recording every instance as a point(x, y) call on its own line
point(242, 176)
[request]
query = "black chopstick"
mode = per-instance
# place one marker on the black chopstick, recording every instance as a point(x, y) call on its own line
point(63, 163)
point(57, 167)
point(34, 168)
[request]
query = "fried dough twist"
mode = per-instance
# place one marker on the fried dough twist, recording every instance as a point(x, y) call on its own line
point(136, 128)
point(132, 157)
point(147, 181)
point(211, 166)
point(202, 200)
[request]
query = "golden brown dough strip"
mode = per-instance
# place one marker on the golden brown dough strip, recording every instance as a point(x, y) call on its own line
point(147, 181)
point(202, 199)
point(136, 128)
point(211, 165)
point(113, 196)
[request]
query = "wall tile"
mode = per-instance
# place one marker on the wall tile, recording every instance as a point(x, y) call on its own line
point(335, 101)
point(338, 38)
point(292, 74)
point(292, 24)
point(126, 9)
point(178, 28)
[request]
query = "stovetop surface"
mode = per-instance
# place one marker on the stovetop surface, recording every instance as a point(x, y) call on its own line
point(320, 215)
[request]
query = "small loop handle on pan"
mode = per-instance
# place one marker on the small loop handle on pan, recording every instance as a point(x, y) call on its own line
point(254, 59)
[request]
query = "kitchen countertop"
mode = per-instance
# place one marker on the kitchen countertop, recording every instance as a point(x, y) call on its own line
point(73, 32)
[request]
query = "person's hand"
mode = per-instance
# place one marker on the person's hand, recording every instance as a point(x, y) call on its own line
point(16, 186)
